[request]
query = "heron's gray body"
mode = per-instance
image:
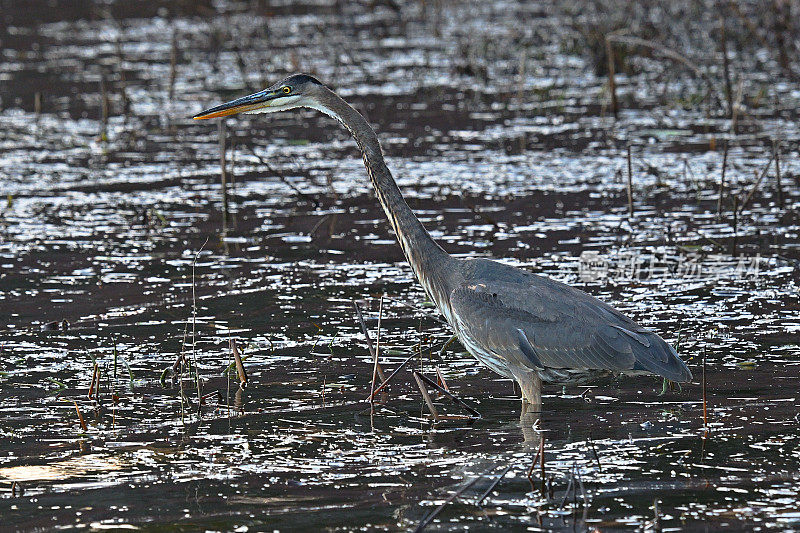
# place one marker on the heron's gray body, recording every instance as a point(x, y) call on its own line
point(525, 327)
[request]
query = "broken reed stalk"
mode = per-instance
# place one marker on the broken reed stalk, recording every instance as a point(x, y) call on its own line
point(80, 416)
point(375, 356)
point(239, 366)
point(365, 331)
point(386, 381)
point(630, 183)
point(755, 185)
point(427, 397)
point(722, 179)
point(456, 399)
point(428, 519)
point(493, 484)
point(223, 148)
point(37, 104)
point(778, 185)
point(440, 380)
point(705, 403)
point(612, 83)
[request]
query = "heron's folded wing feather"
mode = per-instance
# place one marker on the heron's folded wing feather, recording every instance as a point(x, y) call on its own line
point(554, 326)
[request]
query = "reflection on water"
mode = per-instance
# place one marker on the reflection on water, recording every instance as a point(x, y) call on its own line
point(82, 466)
point(103, 226)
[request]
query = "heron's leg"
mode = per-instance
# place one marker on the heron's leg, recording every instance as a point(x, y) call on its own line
point(531, 412)
point(531, 385)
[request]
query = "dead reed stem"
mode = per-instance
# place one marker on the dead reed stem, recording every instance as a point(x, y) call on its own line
point(365, 331)
point(630, 184)
point(449, 394)
point(778, 185)
point(194, 328)
point(612, 83)
point(541, 461)
point(376, 355)
point(755, 185)
point(238, 361)
point(726, 67)
point(722, 179)
point(80, 416)
point(705, 403)
point(104, 106)
point(223, 148)
point(734, 252)
point(173, 63)
point(386, 381)
point(427, 397)
point(94, 380)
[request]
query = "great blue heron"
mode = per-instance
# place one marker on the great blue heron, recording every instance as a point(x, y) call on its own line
point(525, 327)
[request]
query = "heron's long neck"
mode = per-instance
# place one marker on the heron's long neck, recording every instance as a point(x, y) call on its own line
point(433, 267)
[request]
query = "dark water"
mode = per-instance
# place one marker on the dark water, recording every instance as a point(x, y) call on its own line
point(496, 122)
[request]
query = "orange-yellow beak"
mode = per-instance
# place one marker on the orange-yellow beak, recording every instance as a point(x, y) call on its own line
point(240, 105)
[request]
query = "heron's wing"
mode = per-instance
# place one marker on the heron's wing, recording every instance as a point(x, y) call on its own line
point(538, 323)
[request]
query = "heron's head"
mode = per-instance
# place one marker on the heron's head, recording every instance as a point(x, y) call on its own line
point(298, 90)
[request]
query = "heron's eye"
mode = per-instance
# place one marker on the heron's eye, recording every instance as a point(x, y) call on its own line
point(287, 90)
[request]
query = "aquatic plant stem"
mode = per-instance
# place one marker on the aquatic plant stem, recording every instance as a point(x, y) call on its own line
point(194, 330)
point(705, 403)
point(376, 355)
point(630, 184)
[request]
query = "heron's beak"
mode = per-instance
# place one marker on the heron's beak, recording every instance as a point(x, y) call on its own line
point(259, 100)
